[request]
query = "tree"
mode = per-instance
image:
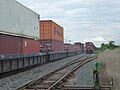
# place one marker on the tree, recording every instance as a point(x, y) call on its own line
point(103, 47)
point(110, 45)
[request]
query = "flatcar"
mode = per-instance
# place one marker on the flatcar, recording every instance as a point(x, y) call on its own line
point(15, 62)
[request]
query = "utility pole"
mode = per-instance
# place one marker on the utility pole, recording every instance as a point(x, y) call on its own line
point(69, 44)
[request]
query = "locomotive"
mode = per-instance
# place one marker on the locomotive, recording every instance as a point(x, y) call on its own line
point(89, 48)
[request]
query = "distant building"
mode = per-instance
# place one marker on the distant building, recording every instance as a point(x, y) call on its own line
point(51, 36)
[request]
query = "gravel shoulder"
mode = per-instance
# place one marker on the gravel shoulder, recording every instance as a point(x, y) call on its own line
point(84, 76)
point(14, 81)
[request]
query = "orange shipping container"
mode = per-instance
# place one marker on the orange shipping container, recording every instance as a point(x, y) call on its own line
point(51, 30)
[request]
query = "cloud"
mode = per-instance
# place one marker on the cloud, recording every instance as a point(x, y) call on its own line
point(98, 39)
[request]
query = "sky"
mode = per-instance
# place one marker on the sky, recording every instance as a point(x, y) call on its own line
point(97, 21)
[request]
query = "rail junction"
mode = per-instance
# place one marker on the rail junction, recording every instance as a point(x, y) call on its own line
point(56, 80)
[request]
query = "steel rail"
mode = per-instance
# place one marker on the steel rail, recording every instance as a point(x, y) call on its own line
point(31, 84)
point(84, 61)
point(69, 87)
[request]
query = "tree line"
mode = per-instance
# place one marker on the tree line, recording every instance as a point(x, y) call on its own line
point(108, 46)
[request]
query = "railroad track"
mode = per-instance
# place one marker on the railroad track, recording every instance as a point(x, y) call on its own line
point(69, 87)
point(56, 79)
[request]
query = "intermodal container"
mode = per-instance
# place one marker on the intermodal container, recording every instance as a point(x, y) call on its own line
point(13, 45)
point(52, 45)
point(58, 45)
point(70, 47)
point(10, 44)
point(80, 45)
point(16, 19)
point(51, 30)
point(30, 45)
point(57, 32)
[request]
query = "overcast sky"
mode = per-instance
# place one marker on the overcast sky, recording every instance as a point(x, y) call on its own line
point(83, 20)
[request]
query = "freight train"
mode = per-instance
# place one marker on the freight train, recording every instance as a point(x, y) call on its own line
point(89, 48)
point(15, 38)
point(14, 62)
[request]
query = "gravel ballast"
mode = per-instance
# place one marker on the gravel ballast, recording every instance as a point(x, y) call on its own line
point(14, 81)
point(84, 76)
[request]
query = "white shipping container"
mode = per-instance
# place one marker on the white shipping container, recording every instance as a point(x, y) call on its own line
point(18, 20)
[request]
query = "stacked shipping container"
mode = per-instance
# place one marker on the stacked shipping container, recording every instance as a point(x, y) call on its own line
point(21, 34)
point(49, 30)
point(17, 24)
point(18, 20)
point(51, 36)
point(81, 45)
point(30, 45)
point(52, 45)
point(70, 47)
point(9, 44)
point(12, 45)
point(74, 47)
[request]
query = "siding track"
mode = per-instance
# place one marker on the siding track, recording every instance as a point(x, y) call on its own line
point(56, 79)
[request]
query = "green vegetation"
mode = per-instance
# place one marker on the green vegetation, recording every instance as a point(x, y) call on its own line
point(108, 46)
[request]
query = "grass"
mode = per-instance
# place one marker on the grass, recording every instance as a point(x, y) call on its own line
point(110, 71)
